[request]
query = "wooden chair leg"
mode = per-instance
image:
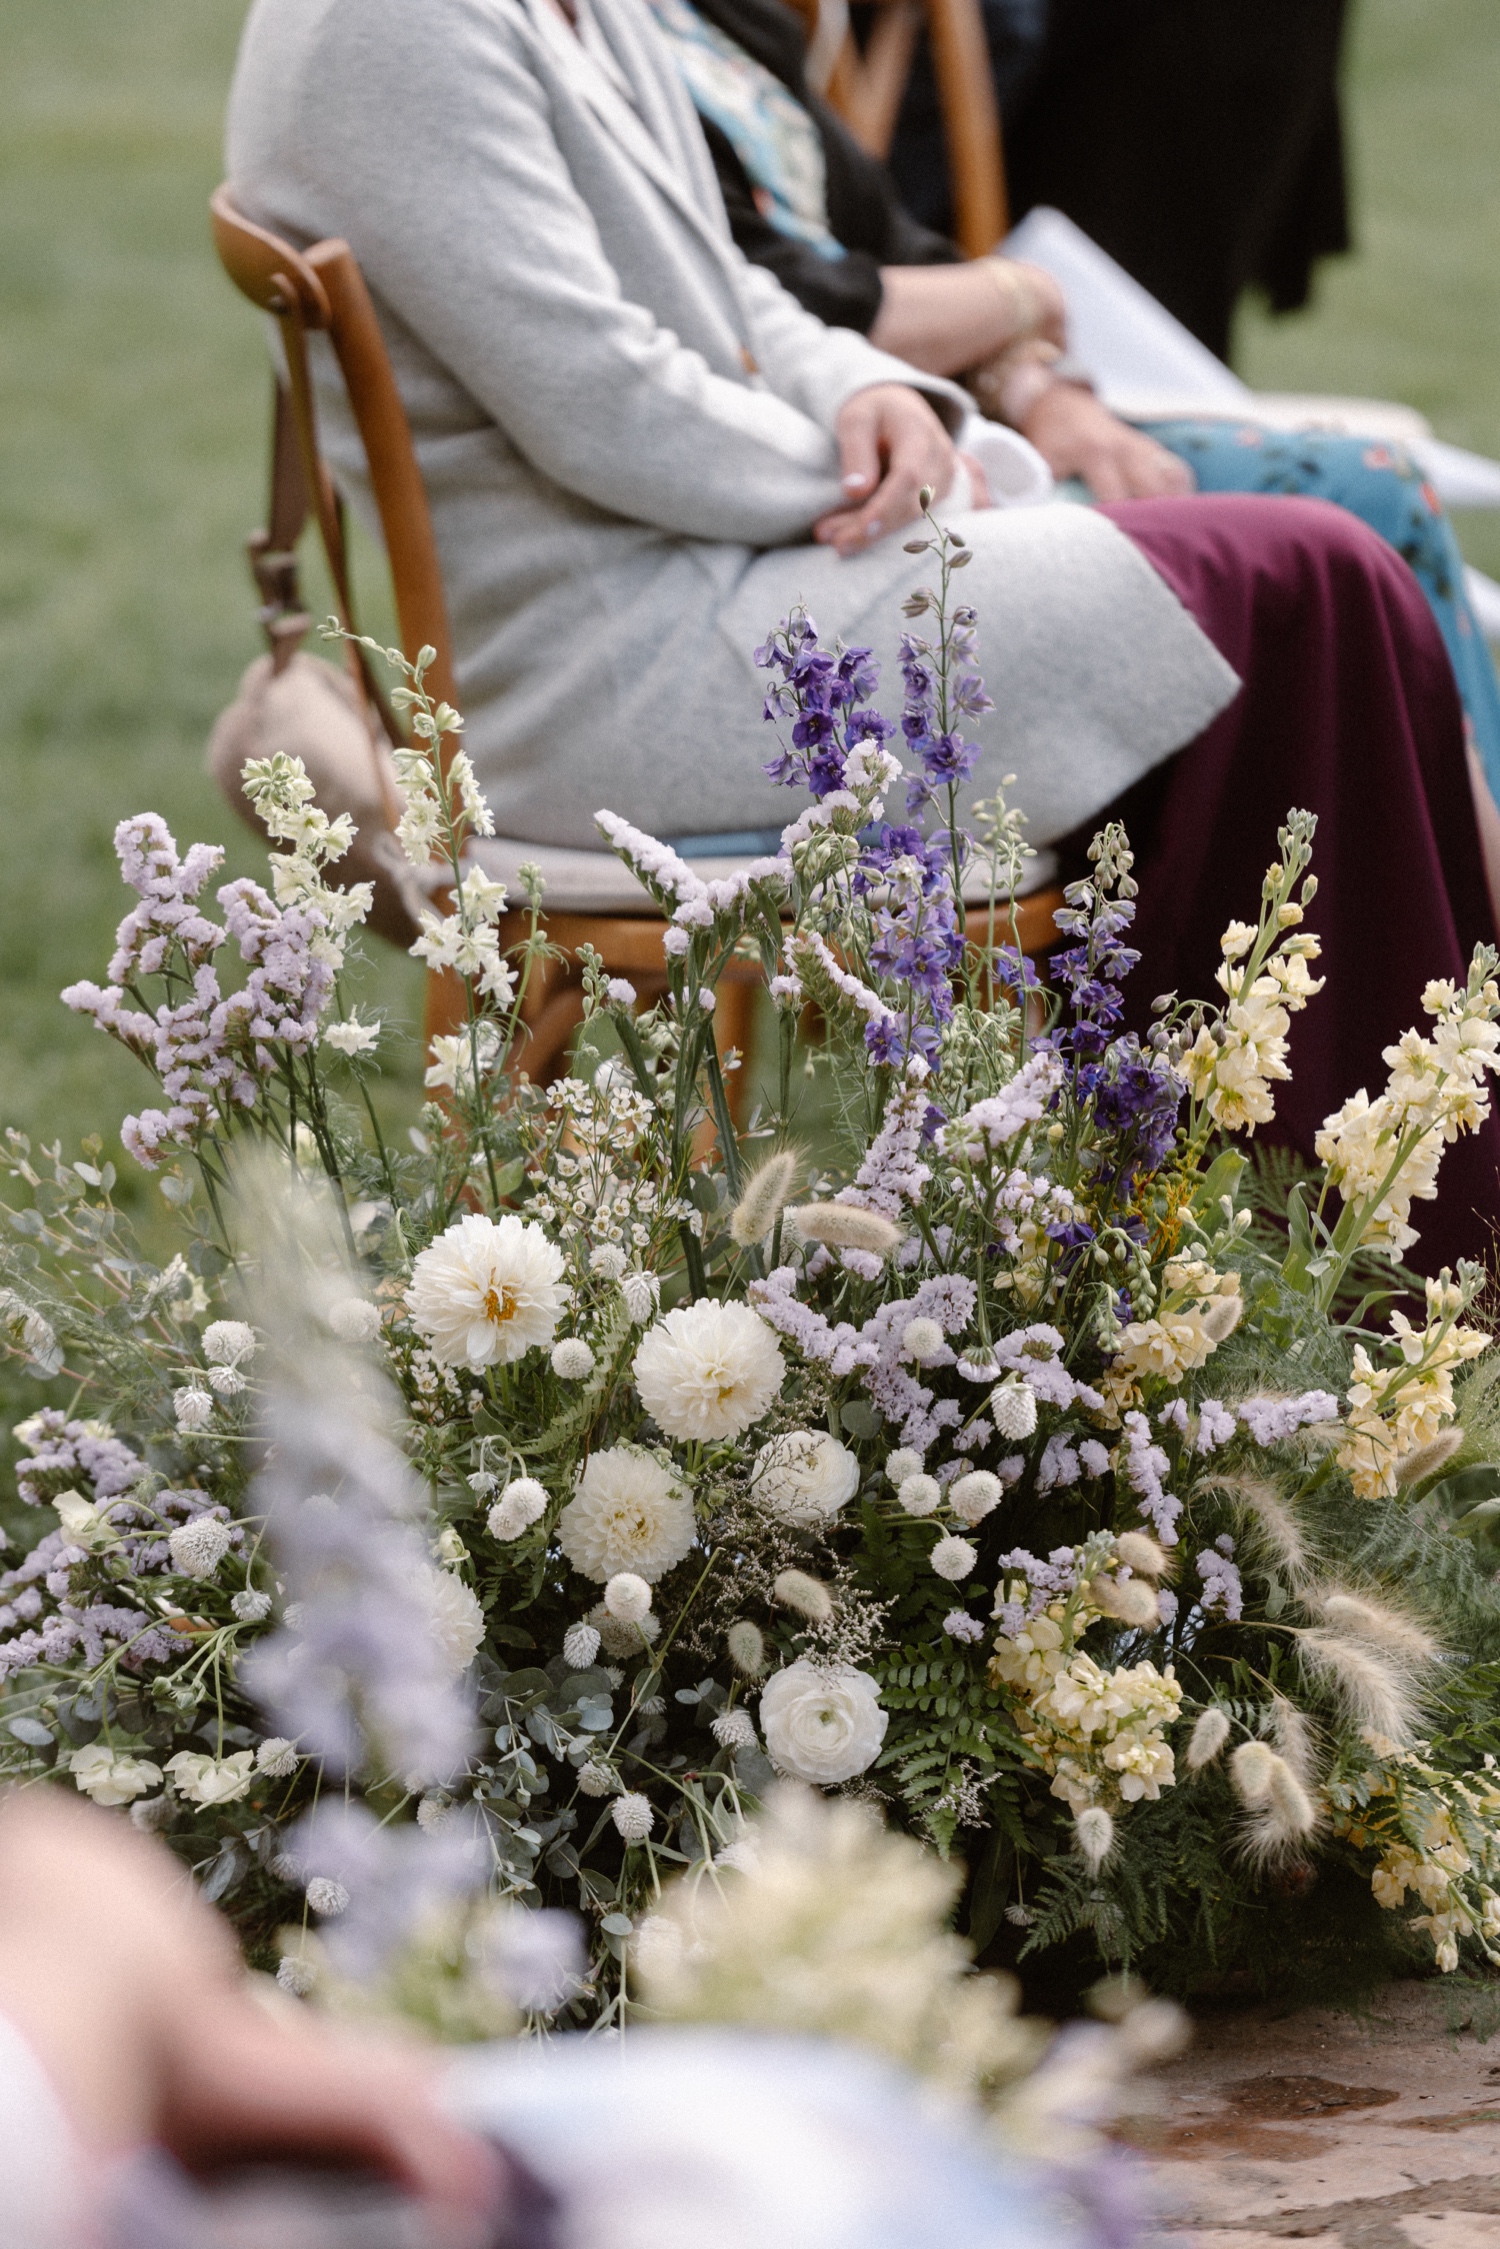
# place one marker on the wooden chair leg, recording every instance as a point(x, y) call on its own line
point(734, 1026)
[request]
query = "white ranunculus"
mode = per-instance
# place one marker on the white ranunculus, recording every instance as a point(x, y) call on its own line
point(822, 1726)
point(457, 1619)
point(804, 1477)
point(487, 1291)
point(212, 1780)
point(708, 1370)
point(628, 1513)
point(112, 1776)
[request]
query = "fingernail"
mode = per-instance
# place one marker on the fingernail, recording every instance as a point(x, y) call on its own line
point(854, 482)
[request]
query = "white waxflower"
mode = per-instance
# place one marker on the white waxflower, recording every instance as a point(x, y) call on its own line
point(572, 1360)
point(111, 1776)
point(642, 1294)
point(920, 1495)
point(227, 1342)
point(580, 1646)
point(921, 1340)
point(1013, 1410)
point(327, 1897)
point(804, 1477)
point(822, 1726)
point(708, 1370)
point(972, 1496)
point(251, 1607)
point(633, 1816)
point(197, 1548)
point(354, 1319)
point(276, 1758)
point(900, 1464)
point(734, 1729)
point(487, 1291)
point(212, 1780)
point(954, 1558)
point(627, 1597)
point(194, 1408)
point(522, 1503)
point(608, 1261)
point(456, 1617)
point(595, 1779)
point(629, 1513)
point(296, 1975)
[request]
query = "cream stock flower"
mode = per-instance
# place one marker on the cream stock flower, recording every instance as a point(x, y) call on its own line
point(708, 1370)
point(1397, 1409)
point(112, 1776)
point(487, 1291)
point(822, 1725)
point(629, 1514)
point(804, 1477)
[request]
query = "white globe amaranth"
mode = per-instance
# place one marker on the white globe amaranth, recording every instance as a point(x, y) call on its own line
point(327, 1897)
point(522, 1503)
point(619, 1639)
point(920, 1494)
point(921, 1341)
point(900, 1464)
point(608, 1261)
point(296, 1975)
point(804, 1477)
point(628, 1513)
point(642, 1294)
point(734, 1729)
point(250, 1607)
point(226, 1343)
point(354, 1319)
point(954, 1558)
point(194, 1409)
point(111, 1776)
point(197, 1548)
point(595, 1779)
point(456, 1618)
point(627, 1597)
point(973, 1496)
point(580, 1646)
point(487, 1291)
point(1013, 1410)
point(276, 1758)
point(822, 1724)
point(572, 1359)
point(633, 1816)
point(708, 1370)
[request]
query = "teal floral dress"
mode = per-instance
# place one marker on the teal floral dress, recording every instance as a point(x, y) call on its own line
point(1382, 485)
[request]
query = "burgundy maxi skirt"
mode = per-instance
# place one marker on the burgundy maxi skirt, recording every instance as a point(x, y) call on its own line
point(1349, 710)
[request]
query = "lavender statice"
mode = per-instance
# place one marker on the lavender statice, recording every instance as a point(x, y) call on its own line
point(1221, 1580)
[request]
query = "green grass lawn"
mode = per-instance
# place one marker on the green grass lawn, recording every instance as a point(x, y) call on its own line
point(132, 406)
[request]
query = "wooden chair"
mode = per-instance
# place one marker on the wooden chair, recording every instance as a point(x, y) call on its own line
point(867, 88)
point(321, 290)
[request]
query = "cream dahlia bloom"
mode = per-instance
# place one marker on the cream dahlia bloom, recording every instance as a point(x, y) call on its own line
point(822, 1726)
point(708, 1370)
point(804, 1477)
point(629, 1513)
point(457, 1619)
point(487, 1291)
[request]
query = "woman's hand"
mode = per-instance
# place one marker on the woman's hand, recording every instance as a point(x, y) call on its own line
point(891, 444)
point(1076, 436)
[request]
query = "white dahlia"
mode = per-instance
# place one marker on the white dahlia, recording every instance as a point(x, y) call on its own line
point(708, 1370)
point(804, 1477)
point(487, 1291)
point(456, 1617)
point(821, 1725)
point(629, 1513)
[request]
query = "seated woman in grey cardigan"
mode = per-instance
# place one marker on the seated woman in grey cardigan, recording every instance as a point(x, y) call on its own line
point(641, 452)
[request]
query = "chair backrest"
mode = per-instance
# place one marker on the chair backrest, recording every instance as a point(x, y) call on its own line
point(322, 290)
point(867, 89)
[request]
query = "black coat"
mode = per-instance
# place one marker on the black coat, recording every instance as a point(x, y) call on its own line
point(863, 211)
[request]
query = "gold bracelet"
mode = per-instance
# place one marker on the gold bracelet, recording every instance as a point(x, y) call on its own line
point(1020, 297)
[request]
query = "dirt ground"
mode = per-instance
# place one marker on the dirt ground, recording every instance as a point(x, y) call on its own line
point(1372, 2132)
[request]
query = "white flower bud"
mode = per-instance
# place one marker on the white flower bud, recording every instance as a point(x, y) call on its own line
point(627, 1597)
point(595, 1779)
point(633, 1816)
point(921, 1495)
point(921, 1341)
point(1013, 1410)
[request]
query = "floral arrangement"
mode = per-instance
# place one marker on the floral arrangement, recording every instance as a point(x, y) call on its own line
point(971, 1429)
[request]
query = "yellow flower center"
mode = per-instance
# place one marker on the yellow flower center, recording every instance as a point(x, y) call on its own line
point(500, 1305)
